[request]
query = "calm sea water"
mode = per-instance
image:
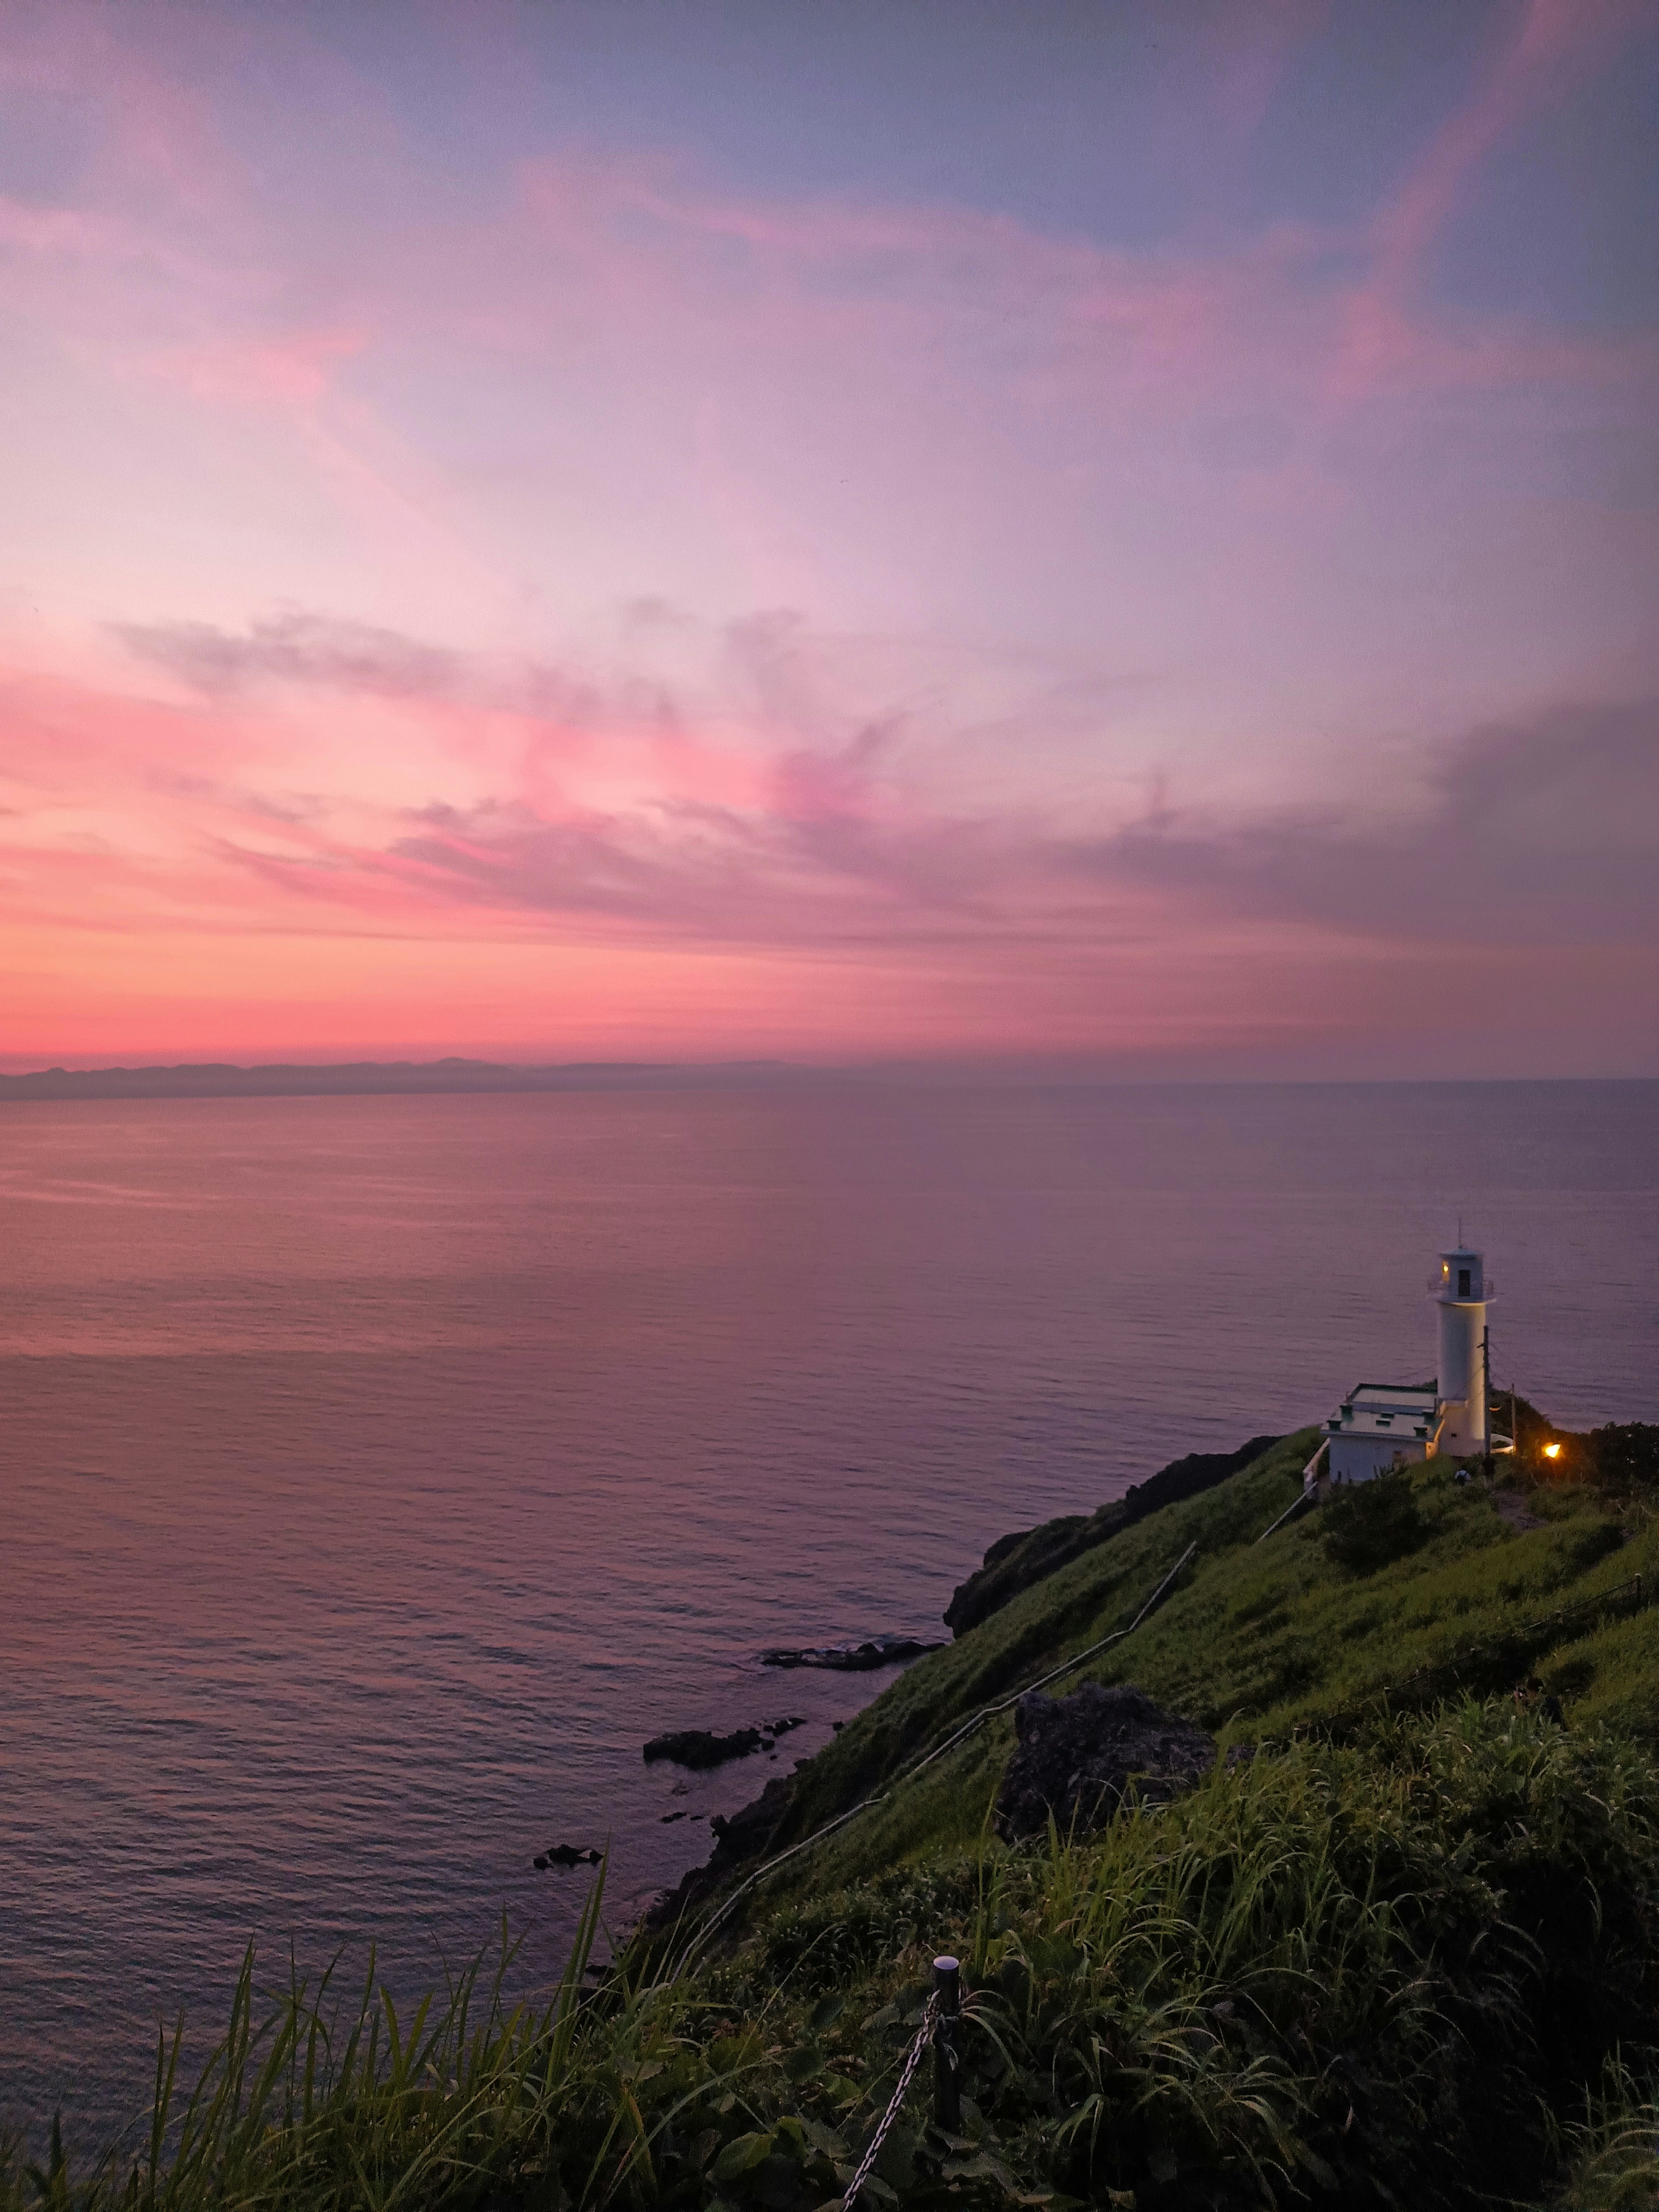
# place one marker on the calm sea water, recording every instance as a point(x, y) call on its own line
point(379, 1474)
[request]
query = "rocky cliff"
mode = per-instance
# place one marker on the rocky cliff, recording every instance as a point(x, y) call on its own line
point(1014, 1563)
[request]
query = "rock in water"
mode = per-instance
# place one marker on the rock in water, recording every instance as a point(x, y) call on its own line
point(1078, 1757)
point(850, 1658)
point(701, 1747)
point(565, 1855)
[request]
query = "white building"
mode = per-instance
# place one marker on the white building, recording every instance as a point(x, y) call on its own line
point(1379, 1425)
point(1383, 1424)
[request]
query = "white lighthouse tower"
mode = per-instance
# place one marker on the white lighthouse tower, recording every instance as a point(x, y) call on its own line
point(1380, 1426)
point(1461, 1297)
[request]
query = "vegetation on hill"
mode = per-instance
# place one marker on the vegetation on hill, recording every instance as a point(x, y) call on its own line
point(1030, 1555)
point(1257, 1640)
point(1405, 1955)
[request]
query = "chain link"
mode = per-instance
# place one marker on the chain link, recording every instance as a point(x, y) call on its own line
point(912, 2060)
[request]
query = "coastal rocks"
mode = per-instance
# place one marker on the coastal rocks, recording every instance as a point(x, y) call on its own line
point(851, 1658)
point(1031, 1555)
point(565, 1855)
point(701, 1747)
point(1078, 1757)
point(744, 1835)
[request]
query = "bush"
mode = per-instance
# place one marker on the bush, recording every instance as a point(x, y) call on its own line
point(1367, 1524)
point(1626, 1454)
point(1338, 1976)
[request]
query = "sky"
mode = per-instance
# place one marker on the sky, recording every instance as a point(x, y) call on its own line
point(1066, 537)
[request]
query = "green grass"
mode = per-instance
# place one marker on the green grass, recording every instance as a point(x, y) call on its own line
point(1400, 1957)
point(1611, 2147)
point(1257, 1640)
point(1353, 1973)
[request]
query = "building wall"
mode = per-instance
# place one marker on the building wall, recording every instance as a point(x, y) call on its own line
point(1361, 1459)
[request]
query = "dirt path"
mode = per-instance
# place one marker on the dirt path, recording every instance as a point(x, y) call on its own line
point(1512, 1507)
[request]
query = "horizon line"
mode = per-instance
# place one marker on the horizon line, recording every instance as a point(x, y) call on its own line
point(463, 1075)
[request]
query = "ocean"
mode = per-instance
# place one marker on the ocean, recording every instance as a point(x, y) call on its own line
point(379, 1474)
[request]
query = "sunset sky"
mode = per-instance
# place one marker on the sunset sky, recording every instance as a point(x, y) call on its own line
point(882, 529)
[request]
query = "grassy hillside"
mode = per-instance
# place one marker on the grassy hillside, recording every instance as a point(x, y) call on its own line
point(1030, 1555)
point(1401, 1957)
point(1256, 1639)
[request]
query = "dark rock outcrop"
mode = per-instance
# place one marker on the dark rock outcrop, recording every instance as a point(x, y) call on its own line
point(745, 1835)
point(1014, 1563)
point(850, 1658)
point(701, 1748)
point(565, 1855)
point(1078, 1757)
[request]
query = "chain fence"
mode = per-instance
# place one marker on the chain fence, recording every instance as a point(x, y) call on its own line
point(924, 2036)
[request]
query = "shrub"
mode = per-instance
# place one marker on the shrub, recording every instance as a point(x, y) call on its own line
point(1368, 1524)
point(1626, 1454)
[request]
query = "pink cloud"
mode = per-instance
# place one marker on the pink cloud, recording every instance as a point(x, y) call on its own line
point(1554, 38)
point(1069, 523)
point(756, 837)
point(293, 371)
point(61, 232)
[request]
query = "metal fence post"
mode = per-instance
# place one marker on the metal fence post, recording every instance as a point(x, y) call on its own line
point(947, 2046)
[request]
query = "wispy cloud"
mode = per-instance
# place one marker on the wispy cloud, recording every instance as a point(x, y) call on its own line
point(308, 650)
point(773, 819)
point(1545, 832)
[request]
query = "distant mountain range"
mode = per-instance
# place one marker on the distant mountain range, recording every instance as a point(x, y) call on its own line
point(373, 1077)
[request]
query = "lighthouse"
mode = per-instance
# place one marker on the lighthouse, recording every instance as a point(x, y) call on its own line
point(1460, 1294)
point(1379, 1425)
